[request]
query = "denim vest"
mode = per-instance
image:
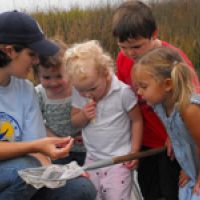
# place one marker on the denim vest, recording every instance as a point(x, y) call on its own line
point(183, 144)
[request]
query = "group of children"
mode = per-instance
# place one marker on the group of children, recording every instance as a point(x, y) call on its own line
point(150, 102)
point(136, 31)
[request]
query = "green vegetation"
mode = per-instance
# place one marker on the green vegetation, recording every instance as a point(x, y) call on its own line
point(178, 22)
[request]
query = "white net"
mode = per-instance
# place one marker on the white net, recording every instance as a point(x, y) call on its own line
point(52, 176)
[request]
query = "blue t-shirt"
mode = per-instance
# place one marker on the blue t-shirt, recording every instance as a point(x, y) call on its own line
point(20, 116)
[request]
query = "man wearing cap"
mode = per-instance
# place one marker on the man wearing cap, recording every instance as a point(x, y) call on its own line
point(22, 134)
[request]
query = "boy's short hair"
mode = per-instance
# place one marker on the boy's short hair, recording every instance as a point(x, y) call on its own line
point(132, 20)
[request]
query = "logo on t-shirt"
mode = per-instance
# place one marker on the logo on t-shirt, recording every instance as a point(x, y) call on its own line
point(9, 128)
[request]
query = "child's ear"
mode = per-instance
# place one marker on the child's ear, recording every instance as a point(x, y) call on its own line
point(107, 75)
point(168, 84)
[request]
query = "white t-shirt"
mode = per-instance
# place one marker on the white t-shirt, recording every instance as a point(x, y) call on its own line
point(110, 134)
point(20, 116)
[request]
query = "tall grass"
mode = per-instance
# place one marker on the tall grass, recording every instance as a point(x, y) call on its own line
point(178, 22)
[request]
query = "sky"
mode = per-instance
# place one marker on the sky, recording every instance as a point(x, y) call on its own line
point(33, 5)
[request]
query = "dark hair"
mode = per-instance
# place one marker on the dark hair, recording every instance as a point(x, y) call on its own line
point(5, 59)
point(132, 20)
point(51, 61)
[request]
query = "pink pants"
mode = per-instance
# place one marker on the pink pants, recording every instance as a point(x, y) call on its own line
point(112, 183)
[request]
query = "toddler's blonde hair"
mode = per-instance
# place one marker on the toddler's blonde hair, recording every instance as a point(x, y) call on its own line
point(79, 54)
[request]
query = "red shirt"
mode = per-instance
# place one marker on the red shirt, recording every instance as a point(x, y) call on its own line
point(154, 134)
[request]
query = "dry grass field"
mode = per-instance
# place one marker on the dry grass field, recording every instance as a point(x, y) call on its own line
point(178, 23)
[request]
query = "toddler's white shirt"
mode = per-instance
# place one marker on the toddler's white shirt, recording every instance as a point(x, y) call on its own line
point(110, 134)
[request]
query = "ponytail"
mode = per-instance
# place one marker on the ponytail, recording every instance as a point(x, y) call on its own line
point(183, 88)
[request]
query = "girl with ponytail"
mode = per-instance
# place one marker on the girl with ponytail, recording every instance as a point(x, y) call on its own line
point(164, 80)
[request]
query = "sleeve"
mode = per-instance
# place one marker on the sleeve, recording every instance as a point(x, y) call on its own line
point(77, 100)
point(129, 99)
point(33, 127)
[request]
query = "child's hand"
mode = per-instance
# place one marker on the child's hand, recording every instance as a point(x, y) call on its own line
point(85, 174)
point(89, 110)
point(183, 178)
point(170, 151)
point(132, 164)
point(196, 188)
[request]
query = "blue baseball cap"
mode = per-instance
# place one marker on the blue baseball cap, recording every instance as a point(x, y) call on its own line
point(20, 28)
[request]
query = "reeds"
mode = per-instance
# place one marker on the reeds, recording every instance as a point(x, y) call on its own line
point(178, 22)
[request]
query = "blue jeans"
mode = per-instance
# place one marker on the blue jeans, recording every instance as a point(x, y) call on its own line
point(12, 187)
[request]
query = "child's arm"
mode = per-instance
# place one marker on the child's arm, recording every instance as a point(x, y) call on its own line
point(137, 128)
point(81, 117)
point(191, 117)
point(170, 151)
point(136, 133)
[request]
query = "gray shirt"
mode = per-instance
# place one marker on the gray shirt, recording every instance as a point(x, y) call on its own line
point(56, 116)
